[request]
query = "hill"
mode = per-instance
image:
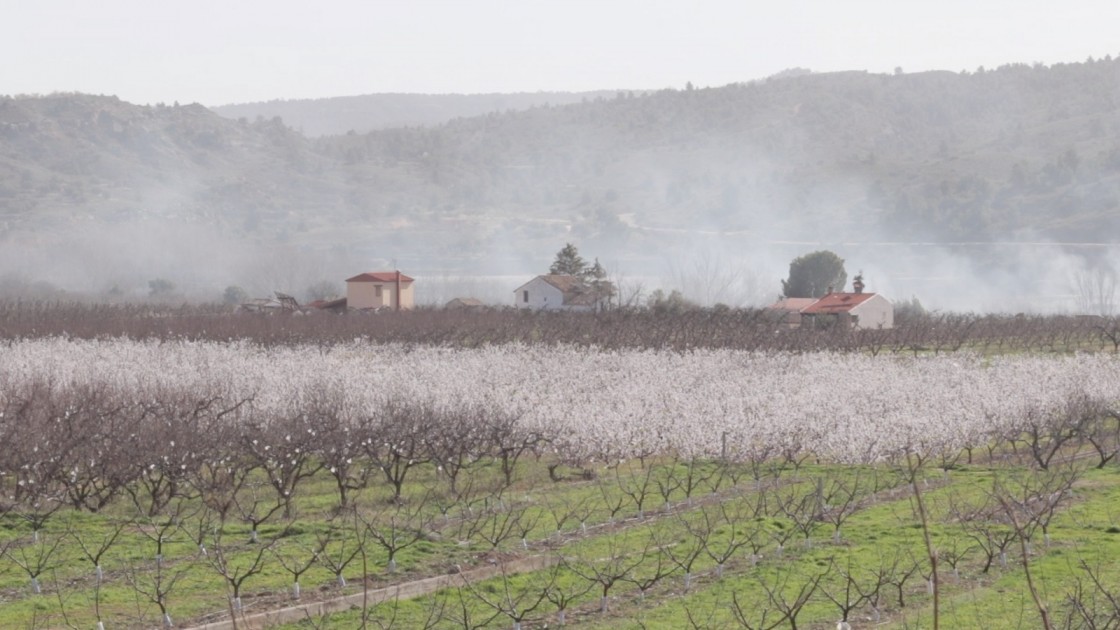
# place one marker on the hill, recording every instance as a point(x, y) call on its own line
point(369, 112)
point(911, 176)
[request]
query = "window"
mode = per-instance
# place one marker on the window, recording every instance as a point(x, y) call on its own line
point(377, 290)
point(525, 296)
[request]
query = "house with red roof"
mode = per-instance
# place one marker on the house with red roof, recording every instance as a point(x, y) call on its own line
point(859, 310)
point(788, 310)
point(379, 289)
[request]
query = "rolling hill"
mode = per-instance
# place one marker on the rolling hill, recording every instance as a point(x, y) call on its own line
point(1016, 154)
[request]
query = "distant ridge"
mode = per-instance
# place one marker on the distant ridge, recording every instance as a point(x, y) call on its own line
point(342, 114)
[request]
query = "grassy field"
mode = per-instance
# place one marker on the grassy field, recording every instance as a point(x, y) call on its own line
point(774, 527)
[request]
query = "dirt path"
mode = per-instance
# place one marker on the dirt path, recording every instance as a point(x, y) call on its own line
point(408, 590)
point(427, 586)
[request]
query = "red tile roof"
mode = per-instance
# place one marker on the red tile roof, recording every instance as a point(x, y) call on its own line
point(793, 305)
point(838, 303)
point(576, 292)
point(379, 276)
point(566, 284)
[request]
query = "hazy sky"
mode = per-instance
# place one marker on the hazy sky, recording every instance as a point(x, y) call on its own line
point(229, 51)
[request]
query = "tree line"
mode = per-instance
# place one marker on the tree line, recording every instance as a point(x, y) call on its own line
point(678, 326)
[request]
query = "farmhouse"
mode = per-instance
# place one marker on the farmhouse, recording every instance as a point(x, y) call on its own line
point(379, 289)
point(858, 309)
point(868, 311)
point(788, 310)
point(559, 293)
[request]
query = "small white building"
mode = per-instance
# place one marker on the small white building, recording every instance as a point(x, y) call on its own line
point(379, 289)
point(559, 293)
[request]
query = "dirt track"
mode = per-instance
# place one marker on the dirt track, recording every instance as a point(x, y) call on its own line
point(407, 590)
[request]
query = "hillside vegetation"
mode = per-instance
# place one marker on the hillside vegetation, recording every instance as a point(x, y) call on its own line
point(1017, 153)
point(360, 114)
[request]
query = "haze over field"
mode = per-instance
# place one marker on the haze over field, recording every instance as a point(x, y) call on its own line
point(975, 166)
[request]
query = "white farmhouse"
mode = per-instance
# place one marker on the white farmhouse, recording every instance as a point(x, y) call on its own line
point(559, 293)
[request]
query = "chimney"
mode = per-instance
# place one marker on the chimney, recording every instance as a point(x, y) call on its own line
point(829, 292)
point(857, 283)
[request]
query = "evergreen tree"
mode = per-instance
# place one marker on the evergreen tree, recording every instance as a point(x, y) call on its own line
point(235, 295)
point(596, 278)
point(595, 273)
point(568, 262)
point(812, 275)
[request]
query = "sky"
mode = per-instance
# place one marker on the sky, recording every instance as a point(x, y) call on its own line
point(235, 51)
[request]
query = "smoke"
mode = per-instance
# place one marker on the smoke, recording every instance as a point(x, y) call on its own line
point(708, 266)
point(667, 202)
point(120, 261)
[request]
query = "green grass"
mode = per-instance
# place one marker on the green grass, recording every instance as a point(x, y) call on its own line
point(594, 526)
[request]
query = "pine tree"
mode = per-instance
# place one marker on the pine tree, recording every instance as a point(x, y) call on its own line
point(596, 278)
point(568, 262)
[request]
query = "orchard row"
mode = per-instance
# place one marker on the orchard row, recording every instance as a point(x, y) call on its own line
point(97, 416)
point(740, 329)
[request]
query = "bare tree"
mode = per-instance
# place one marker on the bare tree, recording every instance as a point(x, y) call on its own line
point(497, 523)
point(613, 499)
point(465, 615)
point(841, 497)
point(222, 474)
point(458, 445)
point(235, 566)
point(685, 550)
point(565, 509)
point(609, 571)
point(156, 585)
point(516, 601)
point(396, 440)
point(804, 509)
point(94, 547)
point(901, 569)
point(1096, 291)
point(1092, 602)
point(755, 615)
point(725, 529)
point(158, 528)
point(649, 575)
point(37, 556)
point(166, 454)
point(638, 485)
point(98, 466)
point(1046, 431)
point(285, 449)
point(1031, 499)
point(786, 608)
point(1102, 431)
point(255, 509)
point(297, 559)
point(563, 591)
point(401, 528)
point(853, 591)
point(340, 547)
point(509, 440)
